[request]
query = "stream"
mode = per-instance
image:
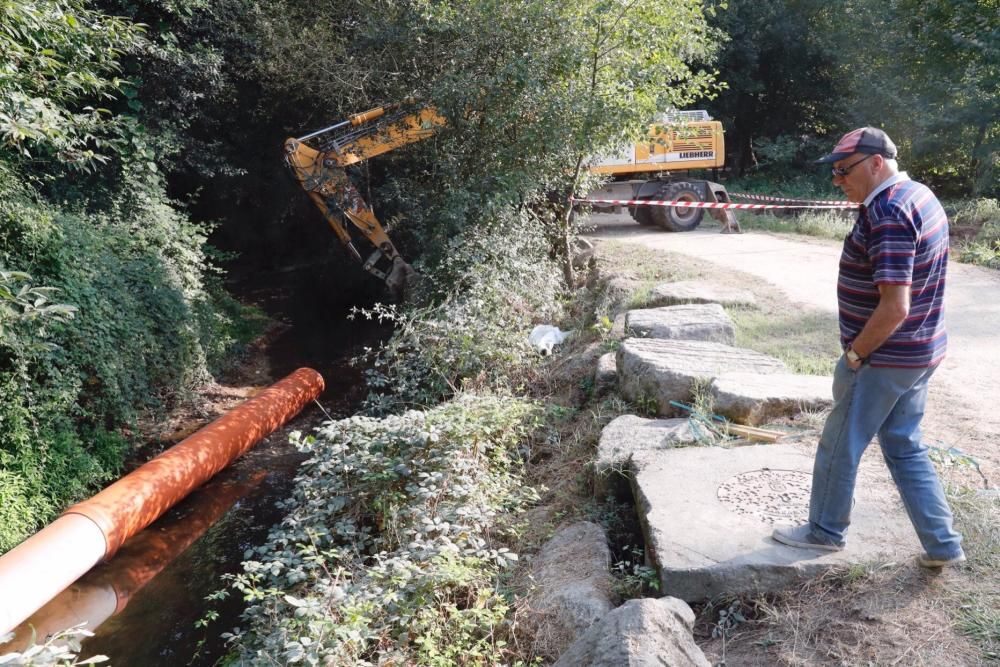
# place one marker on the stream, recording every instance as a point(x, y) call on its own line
point(149, 601)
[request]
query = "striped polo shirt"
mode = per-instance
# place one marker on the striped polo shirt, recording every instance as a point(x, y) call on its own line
point(899, 238)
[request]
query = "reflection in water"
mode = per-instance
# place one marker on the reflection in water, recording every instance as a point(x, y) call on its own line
point(106, 589)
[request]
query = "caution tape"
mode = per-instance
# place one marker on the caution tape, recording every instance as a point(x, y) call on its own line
point(744, 195)
point(704, 204)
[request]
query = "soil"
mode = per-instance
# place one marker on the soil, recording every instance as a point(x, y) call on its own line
point(889, 613)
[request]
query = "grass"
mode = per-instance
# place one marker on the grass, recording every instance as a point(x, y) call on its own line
point(806, 340)
point(825, 224)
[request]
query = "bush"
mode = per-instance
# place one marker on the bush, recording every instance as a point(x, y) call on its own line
point(470, 319)
point(984, 248)
point(134, 275)
point(392, 542)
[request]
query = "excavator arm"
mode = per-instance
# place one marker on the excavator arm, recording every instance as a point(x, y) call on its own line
point(319, 161)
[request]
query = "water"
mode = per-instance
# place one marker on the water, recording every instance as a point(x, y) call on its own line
point(157, 582)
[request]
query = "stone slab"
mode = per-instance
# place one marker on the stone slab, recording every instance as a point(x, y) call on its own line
point(693, 291)
point(624, 436)
point(669, 370)
point(708, 512)
point(606, 373)
point(751, 398)
point(700, 321)
point(572, 582)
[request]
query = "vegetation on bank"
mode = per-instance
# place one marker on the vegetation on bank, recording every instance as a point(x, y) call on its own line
point(109, 303)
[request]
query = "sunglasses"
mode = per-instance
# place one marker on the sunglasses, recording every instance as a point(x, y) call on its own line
point(844, 171)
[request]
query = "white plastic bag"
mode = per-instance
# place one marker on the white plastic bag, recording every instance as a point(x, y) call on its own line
point(545, 336)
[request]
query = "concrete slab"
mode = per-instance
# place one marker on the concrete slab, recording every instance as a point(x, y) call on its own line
point(699, 321)
point(693, 291)
point(750, 398)
point(708, 512)
point(668, 370)
point(626, 435)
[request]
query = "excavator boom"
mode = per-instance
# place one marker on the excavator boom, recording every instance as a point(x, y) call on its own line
point(319, 161)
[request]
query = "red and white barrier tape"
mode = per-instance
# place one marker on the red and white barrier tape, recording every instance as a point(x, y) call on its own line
point(744, 195)
point(703, 204)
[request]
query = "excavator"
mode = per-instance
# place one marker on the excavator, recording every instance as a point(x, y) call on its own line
point(319, 161)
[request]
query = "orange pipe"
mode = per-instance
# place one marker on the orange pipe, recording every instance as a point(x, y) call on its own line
point(39, 568)
point(107, 589)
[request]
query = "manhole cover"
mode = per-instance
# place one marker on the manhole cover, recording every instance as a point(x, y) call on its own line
point(771, 496)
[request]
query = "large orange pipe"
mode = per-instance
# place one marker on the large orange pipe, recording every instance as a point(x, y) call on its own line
point(107, 589)
point(39, 568)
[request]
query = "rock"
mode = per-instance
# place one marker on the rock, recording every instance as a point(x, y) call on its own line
point(606, 374)
point(641, 633)
point(708, 512)
point(668, 370)
point(573, 585)
point(583, 252)
point(618, 327)
point(749, 398)
point(691, 291)
point(626, 435)
point(706, 321)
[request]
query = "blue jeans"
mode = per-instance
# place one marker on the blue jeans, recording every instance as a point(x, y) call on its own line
point(888, 402)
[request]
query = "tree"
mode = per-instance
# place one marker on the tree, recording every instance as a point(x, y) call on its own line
point(530, 90)
point(780, 67)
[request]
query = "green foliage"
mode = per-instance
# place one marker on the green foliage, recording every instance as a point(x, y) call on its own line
point(524, 109)
point(59, 59)
point(391, 544)
point(482, 302)
point(62, 649)
point(984, 248)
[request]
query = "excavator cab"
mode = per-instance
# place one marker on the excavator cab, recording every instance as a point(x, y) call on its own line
point(319, 161)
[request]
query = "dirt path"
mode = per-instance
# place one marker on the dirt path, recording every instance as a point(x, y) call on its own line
point(962, 410)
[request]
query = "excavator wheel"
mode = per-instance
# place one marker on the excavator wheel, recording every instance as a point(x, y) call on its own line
point(674, 219)
point(643, 215)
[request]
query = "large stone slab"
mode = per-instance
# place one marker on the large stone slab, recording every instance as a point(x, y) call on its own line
point(701, 321)
point(750, 398)
point(624, 436)
point(572, 583)
point(668, 370)
point(693, 291)
point(708, 512)
point(641, 633)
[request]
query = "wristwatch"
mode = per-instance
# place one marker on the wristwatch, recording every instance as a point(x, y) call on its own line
point(853, 356)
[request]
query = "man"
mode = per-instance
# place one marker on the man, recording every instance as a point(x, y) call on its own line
point(890, 291)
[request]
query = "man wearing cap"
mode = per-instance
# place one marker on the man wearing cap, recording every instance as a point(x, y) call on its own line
point(890, 291)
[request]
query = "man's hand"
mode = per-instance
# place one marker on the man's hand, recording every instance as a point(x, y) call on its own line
point(853, 365)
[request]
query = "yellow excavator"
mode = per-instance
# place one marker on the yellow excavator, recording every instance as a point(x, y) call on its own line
point(319, 161)
point(689, 140)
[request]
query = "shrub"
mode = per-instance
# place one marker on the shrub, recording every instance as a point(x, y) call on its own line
point(469, 320)
point(392, 542)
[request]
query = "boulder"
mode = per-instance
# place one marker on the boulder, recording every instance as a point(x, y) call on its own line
point(749, 398)
point(606, 374)
point(669, 370)
point(648, 632)
point(704, 321)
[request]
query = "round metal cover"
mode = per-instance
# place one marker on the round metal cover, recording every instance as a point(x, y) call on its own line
point(771, 496)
